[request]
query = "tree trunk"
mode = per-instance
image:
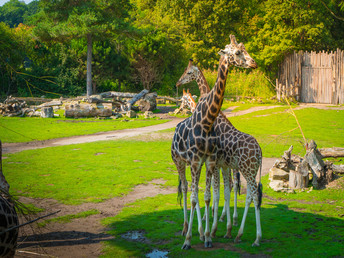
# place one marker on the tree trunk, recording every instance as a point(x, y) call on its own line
point(134, 99)
point(86, 110)
point(334, 152)
point(89, 65)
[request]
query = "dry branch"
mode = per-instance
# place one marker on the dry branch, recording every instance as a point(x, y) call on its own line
point(334, 152)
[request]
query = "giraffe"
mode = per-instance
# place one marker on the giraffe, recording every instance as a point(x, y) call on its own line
point(238, 150)
point(194, 73)
point(195, 143)
point(188, 101)
point(8, 218)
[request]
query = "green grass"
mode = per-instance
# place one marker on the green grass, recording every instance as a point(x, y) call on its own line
point(276, 129)
point(89, 172)
point(287, 232)
point(308, 223)
point(68, 218)
point(16, 129)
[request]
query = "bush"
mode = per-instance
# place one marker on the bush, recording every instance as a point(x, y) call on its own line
point(244, 83)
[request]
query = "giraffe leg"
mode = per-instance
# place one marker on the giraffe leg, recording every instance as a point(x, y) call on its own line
point(183, 189)
point(227, 193)
point(216, 198)
point(236, 176)
point(258, 225)
point(195, 175)
point(212, 208)
point(241, 229)
point(199, 219)
point(207, 197)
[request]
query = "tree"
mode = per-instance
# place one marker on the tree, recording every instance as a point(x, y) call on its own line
point(13, 12)
point(89, 19)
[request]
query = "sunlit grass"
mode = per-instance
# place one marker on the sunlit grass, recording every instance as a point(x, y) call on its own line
point(16, 129)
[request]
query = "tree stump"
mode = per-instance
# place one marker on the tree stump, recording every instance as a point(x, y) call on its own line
point(317, 165)
point(299, 178)
point(47, 112)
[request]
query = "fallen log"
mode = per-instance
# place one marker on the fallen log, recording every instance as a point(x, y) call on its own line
point(169, 98)
point(334, 152)
point(337, 168)
point(112, 94)
point(86, 110)
point(127, 106)
point(50, 104)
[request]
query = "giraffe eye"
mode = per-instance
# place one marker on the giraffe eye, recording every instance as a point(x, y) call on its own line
point(189, 73)
point(237, 52)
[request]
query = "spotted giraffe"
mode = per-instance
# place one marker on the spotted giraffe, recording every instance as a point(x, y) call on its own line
point(193, 73)
point(188, 101)
point(195, 142)
point(8, 218)
point(230, 141)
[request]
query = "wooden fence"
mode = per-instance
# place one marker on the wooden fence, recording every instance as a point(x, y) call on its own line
point(312, 77)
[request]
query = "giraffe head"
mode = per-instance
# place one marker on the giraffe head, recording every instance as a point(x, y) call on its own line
point(188, 100)
point(237, 54)
point(191, 72)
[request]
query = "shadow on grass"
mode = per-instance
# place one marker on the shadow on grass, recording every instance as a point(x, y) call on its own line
point(61, 238)
point(285, 232)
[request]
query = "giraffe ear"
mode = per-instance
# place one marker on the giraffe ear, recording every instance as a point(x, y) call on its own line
point(184, 92)
point(222, 52)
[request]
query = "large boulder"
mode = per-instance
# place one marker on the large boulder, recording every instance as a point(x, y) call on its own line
point(278, 174)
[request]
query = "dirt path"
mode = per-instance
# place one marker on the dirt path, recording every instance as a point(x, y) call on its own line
point(103, 136)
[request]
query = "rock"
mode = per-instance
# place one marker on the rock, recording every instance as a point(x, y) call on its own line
point(47, 112)
point(277, 185)
point(149, 114)
point(130, 114)
point(278, 174)
point(151, 98)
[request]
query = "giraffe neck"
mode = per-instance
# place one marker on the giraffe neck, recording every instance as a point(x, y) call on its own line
point(210, 105)
point(202, 83)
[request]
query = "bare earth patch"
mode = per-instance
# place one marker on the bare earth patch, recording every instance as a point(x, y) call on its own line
point(81, 237)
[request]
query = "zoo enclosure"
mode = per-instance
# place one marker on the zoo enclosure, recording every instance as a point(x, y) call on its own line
point(312, 77)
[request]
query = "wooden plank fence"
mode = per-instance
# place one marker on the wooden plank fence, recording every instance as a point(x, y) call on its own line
point(312, 77)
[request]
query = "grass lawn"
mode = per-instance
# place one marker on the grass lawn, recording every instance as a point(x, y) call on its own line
point(25, 129)
point(302, 224)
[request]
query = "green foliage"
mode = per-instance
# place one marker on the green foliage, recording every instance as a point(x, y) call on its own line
point(13, 12)
point(243, 83)
point(146, 43)
point(298, 25)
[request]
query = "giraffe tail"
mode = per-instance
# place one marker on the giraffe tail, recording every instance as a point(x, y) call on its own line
point(180, 194)
point(260, 187)
point(238, 181)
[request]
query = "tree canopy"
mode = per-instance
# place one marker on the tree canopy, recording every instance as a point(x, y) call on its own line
point(135, 44)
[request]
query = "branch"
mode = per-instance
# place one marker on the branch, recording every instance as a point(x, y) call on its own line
point(29, 222)
point(332, 13)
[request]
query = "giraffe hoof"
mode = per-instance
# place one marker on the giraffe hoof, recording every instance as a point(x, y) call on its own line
point(227, 236)
point(186, 247)
point(202, 238)
point(208, 244)
point(237, 240)
point(221, 219)
point(235, 222)
point(255, 244)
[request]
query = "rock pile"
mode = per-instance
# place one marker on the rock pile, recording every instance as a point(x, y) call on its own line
point(295, 172)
